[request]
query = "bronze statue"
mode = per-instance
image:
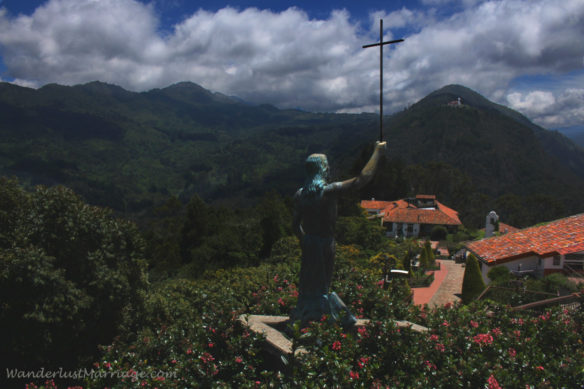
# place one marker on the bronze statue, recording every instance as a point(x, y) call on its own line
point(314, 224)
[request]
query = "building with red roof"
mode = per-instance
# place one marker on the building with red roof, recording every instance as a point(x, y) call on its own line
point(556, 246)
point(412, 217)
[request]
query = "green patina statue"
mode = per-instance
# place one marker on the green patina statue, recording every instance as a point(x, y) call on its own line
point(314, 224)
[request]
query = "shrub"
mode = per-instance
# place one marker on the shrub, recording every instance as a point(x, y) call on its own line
point(472, 282)
point(70, 276)
point(499, 274)
point(429, 254)
point(438, 233)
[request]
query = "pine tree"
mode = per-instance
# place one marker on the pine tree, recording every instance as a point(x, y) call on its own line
point(429, 254)
point(472, 283)
point(424, 262)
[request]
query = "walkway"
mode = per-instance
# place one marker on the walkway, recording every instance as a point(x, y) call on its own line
point(446, 287)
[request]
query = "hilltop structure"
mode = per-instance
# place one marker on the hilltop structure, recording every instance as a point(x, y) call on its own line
point(412, 217)
point(557, 246)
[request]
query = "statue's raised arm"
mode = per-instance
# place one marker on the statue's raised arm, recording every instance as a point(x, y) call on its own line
point(366, 174)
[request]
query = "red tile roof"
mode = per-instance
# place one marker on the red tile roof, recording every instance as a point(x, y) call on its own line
point(401, 211)
point(374, 204)
point(427, 197)
point(562, 236)
point(506, 228)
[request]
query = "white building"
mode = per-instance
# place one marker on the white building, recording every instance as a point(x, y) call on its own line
point(557, 246)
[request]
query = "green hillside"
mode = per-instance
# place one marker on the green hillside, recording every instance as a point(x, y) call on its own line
point(130, 151)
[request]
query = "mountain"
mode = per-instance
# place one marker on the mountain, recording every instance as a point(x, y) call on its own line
point(575, 133)
point(500, 148)
point(129, 150)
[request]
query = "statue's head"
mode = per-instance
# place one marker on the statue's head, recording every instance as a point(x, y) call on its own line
point(317, 164)
point(316, 174)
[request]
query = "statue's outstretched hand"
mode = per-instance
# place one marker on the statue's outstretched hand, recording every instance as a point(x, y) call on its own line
point(381, 145)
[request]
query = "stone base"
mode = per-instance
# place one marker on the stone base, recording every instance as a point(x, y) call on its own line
point(278, 344)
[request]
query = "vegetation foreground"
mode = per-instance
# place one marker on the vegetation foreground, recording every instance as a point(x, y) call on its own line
point(182, 333)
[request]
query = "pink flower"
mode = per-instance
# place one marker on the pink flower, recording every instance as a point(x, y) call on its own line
point(434, 337)
point(445, 324)
point(481, 339)
point(362, 331)
point(294, 293)
point(430, 365)
point(517, 333)
point(336, 345)
point(211, 344)
point(540, 368)
point(474, 324)
point(362, 362)
point(354, 375)
point(206, 358)
point(238, 360)
point(189, 351)
point(281, 302)
point(276, 278)
point(512, 352)
point(496, 331)
point(359, 287)
point(108, 365)
point(493, 384)
point(173, 361)
point(440, 347)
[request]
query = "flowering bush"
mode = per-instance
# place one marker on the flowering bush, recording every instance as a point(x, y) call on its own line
point(190, 337)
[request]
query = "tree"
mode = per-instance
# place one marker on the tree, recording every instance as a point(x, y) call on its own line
point(424, 259)
point(70, 276)
point(199, 223)
point(275, 221)
point(438, 233)
point(430, 259)
point(499, 274)
point(472, 282)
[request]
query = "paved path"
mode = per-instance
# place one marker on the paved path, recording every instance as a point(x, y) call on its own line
point(451, 287)
point(447, 284)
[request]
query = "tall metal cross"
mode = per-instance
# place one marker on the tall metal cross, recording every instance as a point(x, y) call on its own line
point(381, 44)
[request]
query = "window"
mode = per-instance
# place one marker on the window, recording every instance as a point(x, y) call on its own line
point(556, 260)
point(574, 257)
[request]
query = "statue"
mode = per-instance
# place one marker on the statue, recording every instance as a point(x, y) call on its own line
point(314, 224)
point(491, 224)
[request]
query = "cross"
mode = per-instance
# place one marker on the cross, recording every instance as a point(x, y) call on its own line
point(381, 44)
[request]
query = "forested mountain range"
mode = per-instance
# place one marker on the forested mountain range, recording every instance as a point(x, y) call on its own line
point(130, 151)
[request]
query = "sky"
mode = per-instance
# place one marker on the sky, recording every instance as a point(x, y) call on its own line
point(525, 54)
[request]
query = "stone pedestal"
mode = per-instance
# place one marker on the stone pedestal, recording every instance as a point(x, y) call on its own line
point(279, 345)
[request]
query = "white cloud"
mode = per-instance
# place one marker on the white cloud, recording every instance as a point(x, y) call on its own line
point(290, 60)
point(549, 110)
point(536, 102)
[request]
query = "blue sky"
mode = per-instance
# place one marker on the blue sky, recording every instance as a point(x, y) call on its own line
point(526, 54)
